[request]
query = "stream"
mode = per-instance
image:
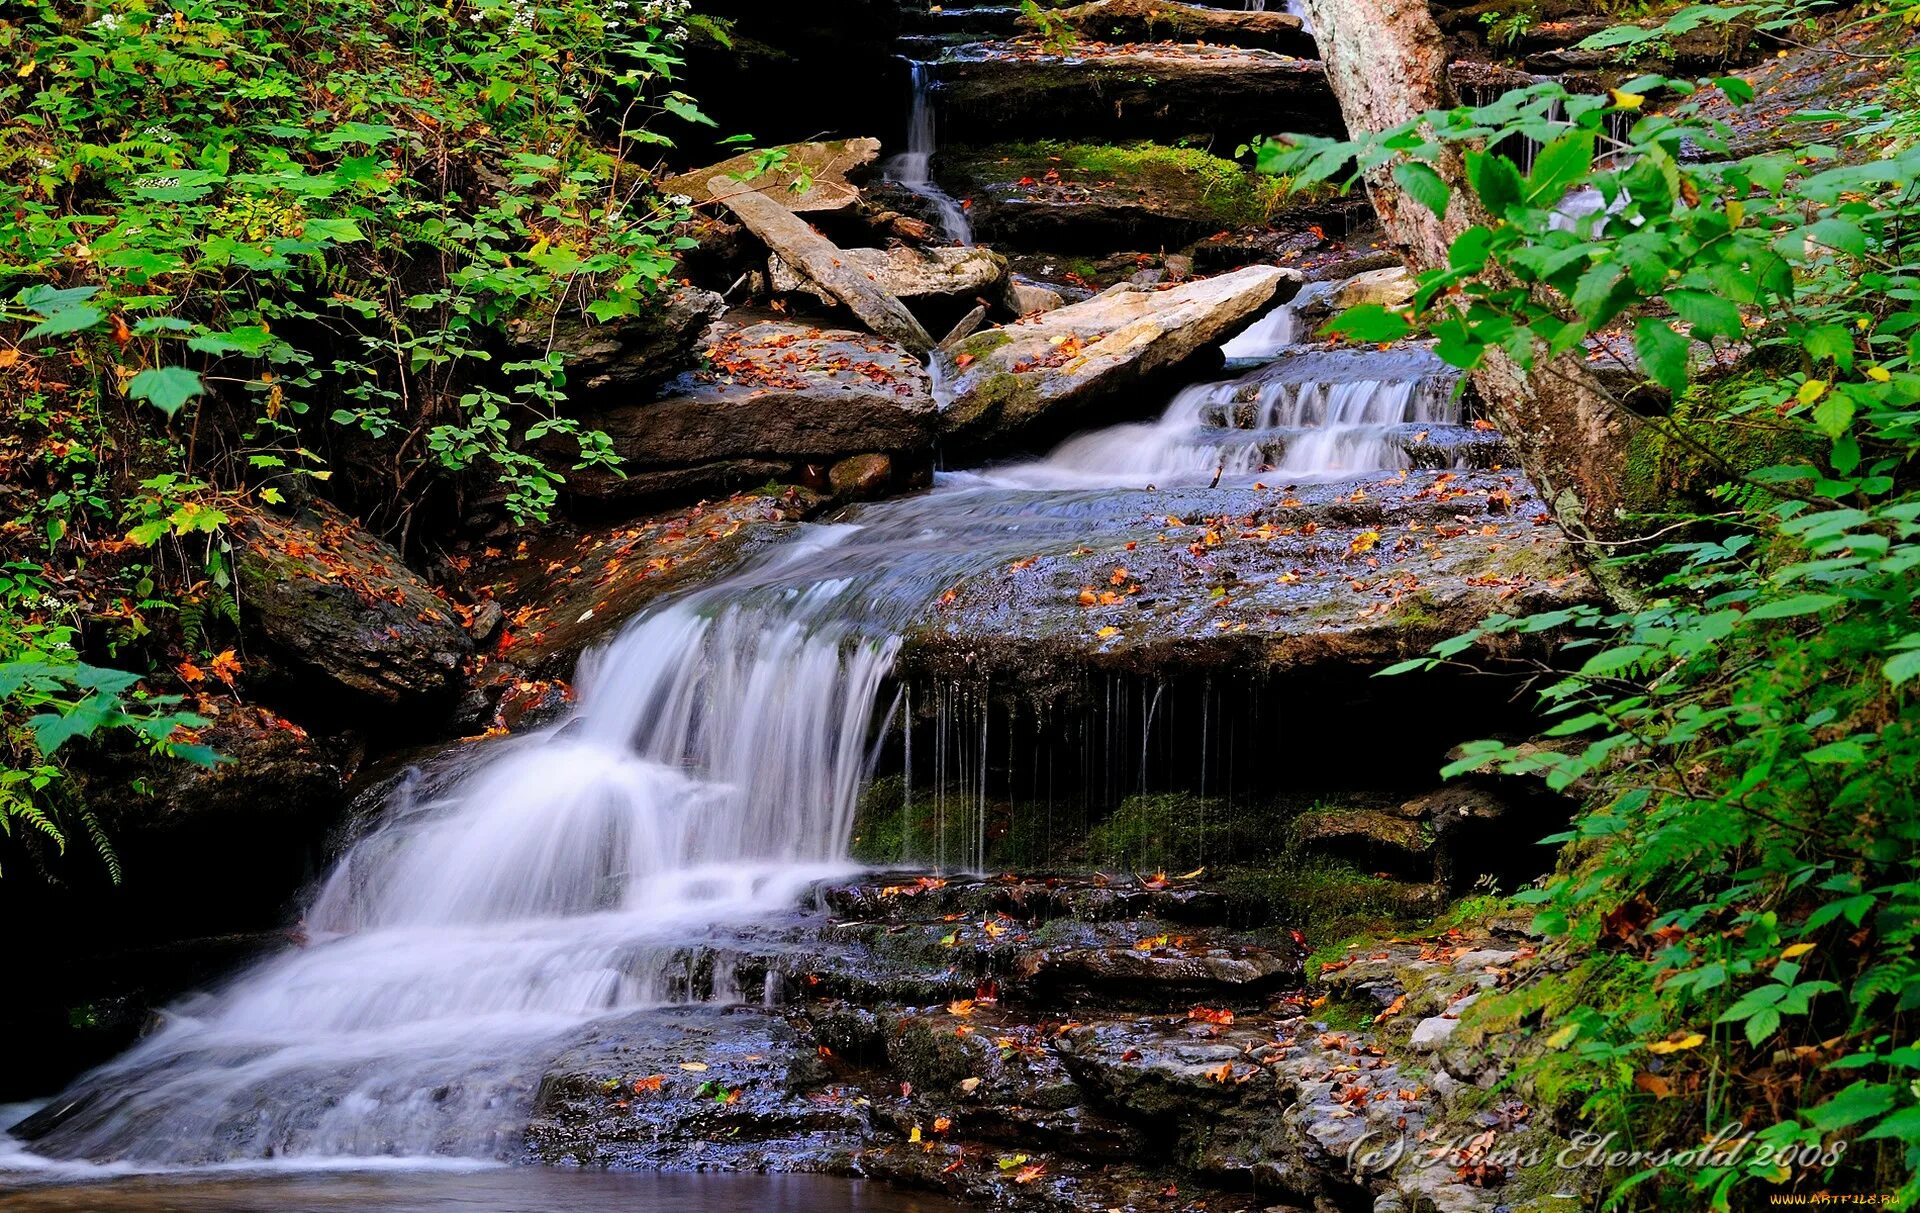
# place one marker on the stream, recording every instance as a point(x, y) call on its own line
point(706, 779)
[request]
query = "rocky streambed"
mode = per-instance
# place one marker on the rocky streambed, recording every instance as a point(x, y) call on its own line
point(1054, 1042)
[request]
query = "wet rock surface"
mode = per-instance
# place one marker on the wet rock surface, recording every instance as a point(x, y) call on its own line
point(937, 283)
point(561, 593)
point(625, 353)
point(1070, 198)
point(1126, 21)
point(810, 177)
point(908, 1030)
point(344, 614)
point(1164, 90)
point(1264, 576)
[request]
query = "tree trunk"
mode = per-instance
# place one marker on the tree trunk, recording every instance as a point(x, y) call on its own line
point(1387, 63)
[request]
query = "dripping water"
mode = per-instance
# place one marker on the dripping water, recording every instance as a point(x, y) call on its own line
point(913, 168)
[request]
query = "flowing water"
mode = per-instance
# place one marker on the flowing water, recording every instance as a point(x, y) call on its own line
point(707, 776)
point(494, 1190)
point(1266, 337)
point(913, 168)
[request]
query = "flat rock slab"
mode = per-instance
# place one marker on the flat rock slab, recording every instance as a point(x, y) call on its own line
point(997, 90)
point(1035, 196)
point(824, 165)
point(1261, 576)
point(1123, 21)
point(1047, 372)
point(562, 593)
point(774, 399)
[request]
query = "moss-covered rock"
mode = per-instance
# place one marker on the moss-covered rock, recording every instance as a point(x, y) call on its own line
point(1067, 196)
point(1709, 440)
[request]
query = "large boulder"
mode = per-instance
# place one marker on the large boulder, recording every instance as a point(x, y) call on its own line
point(1043, 374)
point(627, 352)
point(1086, 197)
point(1290, 579)
point(775, 400)
point(352, 628)
point(1387, 287)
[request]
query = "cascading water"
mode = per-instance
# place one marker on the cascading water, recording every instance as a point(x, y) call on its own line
point(1265, 337)
point(913, 168)
point(707, 776)
point(1319, 413)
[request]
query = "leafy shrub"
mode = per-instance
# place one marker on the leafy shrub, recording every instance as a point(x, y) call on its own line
point(1750, 857)
point(237, 236)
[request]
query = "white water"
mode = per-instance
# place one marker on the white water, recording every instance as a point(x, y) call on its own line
point(1313, 415)
point(1297, 8)
point(1265, 337)
point(913, 168)
point(707, 776)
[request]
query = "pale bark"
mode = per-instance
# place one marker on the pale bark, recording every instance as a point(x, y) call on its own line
point(1387, 63)
point(822, 262)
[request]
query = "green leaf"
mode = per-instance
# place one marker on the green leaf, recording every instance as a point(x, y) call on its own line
point(1902, 666)
point(1798, 604)
point(682, 108)
point(66, 320)
point(166, 388)
point(1495, 179)
point(247, 339)
point(1558, 166)
point(1663, 354)
point(338, 231)
point(1904, 1125)
point(1762, 1024)
point(1369, 322)
point(1842, 234)
point(1709, 315)
point(1834, 414)
point(1423, 185)
point(1846, 751)
point(1857, 1104)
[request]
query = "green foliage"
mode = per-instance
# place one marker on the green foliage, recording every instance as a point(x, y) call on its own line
point(234, 235)
point(1056, 32)
point(1746, 730)
point(1505, 29)
point(287, 202)
point(51, 701)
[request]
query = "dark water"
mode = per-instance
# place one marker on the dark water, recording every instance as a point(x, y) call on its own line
point(500, 1190)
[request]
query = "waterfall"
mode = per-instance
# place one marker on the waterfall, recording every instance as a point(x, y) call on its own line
point(1266, 337)
point(618, 858)
point(913, 168)
point(1315, 414)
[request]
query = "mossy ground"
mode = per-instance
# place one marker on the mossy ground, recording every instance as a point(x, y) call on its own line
point(1248, 851)
point(1187, 177)
point(1713, 437)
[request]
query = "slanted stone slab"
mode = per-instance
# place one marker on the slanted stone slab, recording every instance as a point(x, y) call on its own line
point(826, 265)
point(827, 163)
point(912, 274)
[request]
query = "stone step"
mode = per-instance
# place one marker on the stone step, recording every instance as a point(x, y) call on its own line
point(989, 91)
